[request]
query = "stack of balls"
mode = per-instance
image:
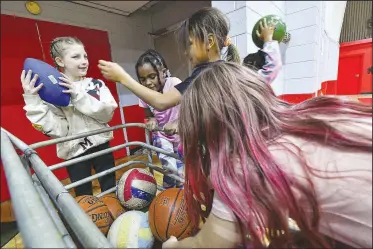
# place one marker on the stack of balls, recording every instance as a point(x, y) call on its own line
point(136, 216)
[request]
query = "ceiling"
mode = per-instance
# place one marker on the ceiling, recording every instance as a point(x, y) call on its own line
point(118, 7)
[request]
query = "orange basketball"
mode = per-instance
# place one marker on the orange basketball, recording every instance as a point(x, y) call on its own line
point(115, 208)
point(168, 216)
point(97, 210)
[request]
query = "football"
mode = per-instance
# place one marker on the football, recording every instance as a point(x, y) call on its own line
point(51, 91)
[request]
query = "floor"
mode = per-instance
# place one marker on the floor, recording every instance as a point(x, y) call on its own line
point(10, 228)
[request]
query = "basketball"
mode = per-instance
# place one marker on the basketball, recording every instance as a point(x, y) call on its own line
point(113, 204)
point(278, 34)
point(96, 210)
point(131, 230)
point(168, 216)
point(136, 189)
point(51, 91)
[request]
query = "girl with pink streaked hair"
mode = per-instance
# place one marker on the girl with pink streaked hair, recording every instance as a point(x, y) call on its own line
point(254, 161)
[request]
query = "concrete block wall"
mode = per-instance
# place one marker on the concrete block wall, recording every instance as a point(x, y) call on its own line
point(242, 16)
point(310, 57)
point(303, 53)
point(315, 28)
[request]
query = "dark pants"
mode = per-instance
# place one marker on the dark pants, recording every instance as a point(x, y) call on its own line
point(82, 170)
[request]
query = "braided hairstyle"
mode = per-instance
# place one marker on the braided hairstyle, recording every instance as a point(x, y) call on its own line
point(57, 46)
point(155, 59)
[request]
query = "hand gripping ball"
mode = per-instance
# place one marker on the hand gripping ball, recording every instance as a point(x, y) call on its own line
point(278, 34)
point(51, 92)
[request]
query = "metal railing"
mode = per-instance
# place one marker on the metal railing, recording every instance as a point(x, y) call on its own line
point(36, 197)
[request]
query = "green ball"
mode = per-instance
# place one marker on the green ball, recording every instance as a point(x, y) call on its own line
point(278, 34)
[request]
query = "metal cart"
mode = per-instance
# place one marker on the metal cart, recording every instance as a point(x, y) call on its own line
point(36, 196)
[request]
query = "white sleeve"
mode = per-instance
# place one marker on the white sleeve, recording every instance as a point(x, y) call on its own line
point(220, 210)
point(273, 63)
point(99, 106)
point(48, 119)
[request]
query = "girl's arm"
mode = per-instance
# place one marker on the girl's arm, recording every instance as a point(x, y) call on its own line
point(215, 233)
point(160, 101)
point(97, 103)
point(48, 119)
point(273, 62)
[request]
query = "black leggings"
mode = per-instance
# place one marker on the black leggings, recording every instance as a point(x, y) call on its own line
point(82, 170)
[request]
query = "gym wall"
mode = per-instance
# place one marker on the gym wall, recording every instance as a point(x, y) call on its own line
point(107, 36)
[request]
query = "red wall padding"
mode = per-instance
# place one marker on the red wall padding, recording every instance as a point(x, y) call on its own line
point(135, 114)
point(353, 78)
point(19, 40)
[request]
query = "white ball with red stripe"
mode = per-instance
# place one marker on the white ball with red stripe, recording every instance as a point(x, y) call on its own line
point(136, 189)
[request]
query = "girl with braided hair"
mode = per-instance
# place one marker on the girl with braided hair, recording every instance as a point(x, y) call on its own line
point(91, 108)
point(152, 72)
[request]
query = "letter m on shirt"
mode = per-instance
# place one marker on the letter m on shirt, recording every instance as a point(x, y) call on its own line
point(86, 143)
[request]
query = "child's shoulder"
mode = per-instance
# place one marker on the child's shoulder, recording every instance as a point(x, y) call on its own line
point(173, 81)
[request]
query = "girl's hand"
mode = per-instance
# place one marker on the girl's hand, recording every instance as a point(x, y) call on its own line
point(112, 71)
point(170, 243)
point(171, 128)
point(151, 124)
point(28, 85)
point(266, 31)
point(68, 84)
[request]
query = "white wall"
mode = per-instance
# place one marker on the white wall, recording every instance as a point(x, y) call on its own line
point(303, 21)
point(333, 16)
point(313, 51)
point(333, 20)
point(128, 36)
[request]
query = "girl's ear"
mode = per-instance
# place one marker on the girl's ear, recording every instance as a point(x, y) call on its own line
point(59, 62)
point(211, 41)
point(164, 72)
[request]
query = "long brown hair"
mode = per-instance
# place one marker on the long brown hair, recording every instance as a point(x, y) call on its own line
point(229, 112)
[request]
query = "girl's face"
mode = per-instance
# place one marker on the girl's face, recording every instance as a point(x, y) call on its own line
point(74, 61)
point(201, 52)
point(148, 77)
point(197, 51)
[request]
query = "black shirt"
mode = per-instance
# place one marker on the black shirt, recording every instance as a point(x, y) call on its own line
point(196, 71)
